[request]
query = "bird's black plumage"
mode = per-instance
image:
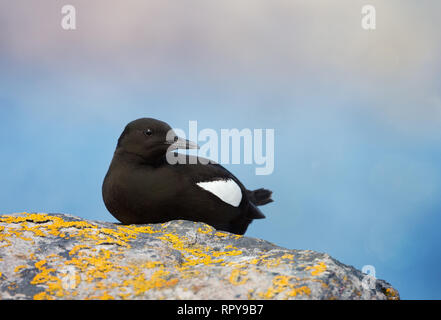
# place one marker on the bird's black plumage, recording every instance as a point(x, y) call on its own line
point(142, 187)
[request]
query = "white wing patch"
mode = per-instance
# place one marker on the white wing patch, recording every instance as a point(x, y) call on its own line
point(226, 190)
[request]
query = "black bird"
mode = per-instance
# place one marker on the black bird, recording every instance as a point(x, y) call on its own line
point(141, 186)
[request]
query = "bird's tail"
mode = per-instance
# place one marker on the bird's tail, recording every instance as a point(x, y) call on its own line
point(260, 196)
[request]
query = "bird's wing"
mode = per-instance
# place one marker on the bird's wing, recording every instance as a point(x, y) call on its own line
point(214, 178)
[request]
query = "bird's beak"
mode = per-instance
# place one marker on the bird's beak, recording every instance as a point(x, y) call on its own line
point(180, 143)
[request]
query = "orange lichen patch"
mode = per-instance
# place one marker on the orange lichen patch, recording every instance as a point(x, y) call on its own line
point(32, 217)
point(186, 273)
point(99, 266)
point(157, 281)
point(46, 225)
point(317, 269)
point(100, 285)
point(92, 266)
point(45, 276)
point(221, 234)
point(33, 229)
point(12, 286)
point(196, 254)
point(120, 236)
point(124, 296)
point(300, 290)
point(43, 296)
point(202, 259)
point(264, 260)
point(40, 263)
point(237, 277)
point(253, 261)
point(54, 257)
point(250, 294)
point(391, 294)
point(97, 255)
point(18, 268)
point(324, 285)
point(281, 284)
point(151, 264)
point(272, 263)
point(175, 241)
point(207, 230)
point(9, 232)
point(133, 229)
point(104, 296)
point(77, 248)
point(227, 253)
point(32, 256)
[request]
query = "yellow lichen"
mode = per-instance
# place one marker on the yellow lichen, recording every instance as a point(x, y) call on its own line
point(237, 277)
point(282, 284)
point(43, 296)
point(317, 269)
point(77, 248)
point(207, 229)
point(300, 290)
point(221, 234)
point(157, 281)
point(104, 296)
point(391, 294)
point(18, 268)
point(92, 262)
point(196, 254)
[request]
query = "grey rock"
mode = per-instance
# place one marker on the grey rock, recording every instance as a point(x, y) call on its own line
point(58, 256)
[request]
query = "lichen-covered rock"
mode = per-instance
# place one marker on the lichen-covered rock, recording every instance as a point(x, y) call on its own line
point(56, 256)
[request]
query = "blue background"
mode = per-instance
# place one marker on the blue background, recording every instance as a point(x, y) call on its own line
point(356, 114)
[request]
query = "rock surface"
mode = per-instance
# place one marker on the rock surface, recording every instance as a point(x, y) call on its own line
point(57, 256)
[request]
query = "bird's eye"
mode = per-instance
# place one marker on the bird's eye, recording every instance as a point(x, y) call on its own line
point(148, 132)
point(176, 138)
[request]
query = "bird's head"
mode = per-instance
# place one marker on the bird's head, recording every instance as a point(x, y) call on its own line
point(151, 139)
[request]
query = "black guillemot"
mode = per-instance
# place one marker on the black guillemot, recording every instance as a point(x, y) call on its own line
point(141, 186)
